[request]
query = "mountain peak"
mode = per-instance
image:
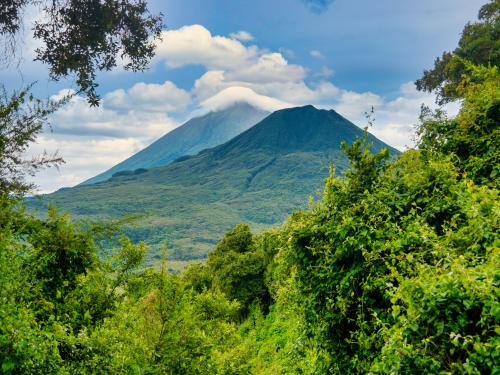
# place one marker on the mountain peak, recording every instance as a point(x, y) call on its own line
point(304, 129)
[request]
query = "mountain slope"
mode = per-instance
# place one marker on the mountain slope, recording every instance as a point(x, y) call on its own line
point(195, 135)
point(258, 177)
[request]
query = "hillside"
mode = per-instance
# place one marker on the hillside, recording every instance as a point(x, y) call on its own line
point(258, 177)
point(209, 130)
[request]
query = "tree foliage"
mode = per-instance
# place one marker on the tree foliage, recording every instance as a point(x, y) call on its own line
point(81, 38)
point(473, 137)
point(479, 44)
point(357, 261)
point(22, 118)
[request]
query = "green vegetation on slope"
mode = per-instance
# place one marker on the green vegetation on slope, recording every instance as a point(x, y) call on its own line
point(197, 134)
point(259, 177)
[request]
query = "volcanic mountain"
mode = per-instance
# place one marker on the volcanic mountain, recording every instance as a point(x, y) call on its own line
point(209, 130)
point(258, 177)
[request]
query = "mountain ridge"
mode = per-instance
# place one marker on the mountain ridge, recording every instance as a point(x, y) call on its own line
point(198, 133)
point(258, 177)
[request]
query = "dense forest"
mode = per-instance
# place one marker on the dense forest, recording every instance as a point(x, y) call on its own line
point(394, 270)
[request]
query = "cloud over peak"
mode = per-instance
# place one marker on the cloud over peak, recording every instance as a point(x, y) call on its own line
point(238, 94)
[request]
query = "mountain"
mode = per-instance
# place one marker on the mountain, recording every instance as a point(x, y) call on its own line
point(258, 177)
point(195, 135)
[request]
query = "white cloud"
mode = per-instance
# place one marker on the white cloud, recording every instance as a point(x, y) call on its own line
point(85, 156)
point(394, 119)
point(166, 97)
point(295, 92)
point(242, 35)
point(351, 104)
point(316, 53)
point(232, 95)
point(78, 118)
point(270, 67)
point(195, 45)
point(209, 84)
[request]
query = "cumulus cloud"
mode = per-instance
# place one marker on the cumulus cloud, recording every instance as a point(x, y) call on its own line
point(394, 119)
point(165, 97)
point(209, 84)
point(78, 118)
point(235, 94)
point(195, 45)
point(269, 67)
point(242, 35)
point(85, 157)
point(292, 91)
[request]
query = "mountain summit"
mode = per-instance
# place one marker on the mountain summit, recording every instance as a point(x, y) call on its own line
point(209, 130)
point(258, 177)
point(306, 129)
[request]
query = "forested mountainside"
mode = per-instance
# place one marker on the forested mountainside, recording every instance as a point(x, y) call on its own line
point(258, 177)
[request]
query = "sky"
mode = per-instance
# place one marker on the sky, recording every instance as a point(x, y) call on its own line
point(347, 55)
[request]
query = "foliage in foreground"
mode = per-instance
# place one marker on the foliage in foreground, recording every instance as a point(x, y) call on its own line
point(394, 271)
point(21, 120)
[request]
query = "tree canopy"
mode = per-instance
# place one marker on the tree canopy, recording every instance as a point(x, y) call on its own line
point(80, 38)
point(22, 118)
point(479, 44)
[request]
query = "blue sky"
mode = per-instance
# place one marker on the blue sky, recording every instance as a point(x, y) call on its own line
point(372, 45)
point(341, 54)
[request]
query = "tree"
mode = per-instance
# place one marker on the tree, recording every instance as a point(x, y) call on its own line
point(479, 44)
point(237, 269)
point(473, 137)
point(399, 279)
point(21, 119)
point(83, 37)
